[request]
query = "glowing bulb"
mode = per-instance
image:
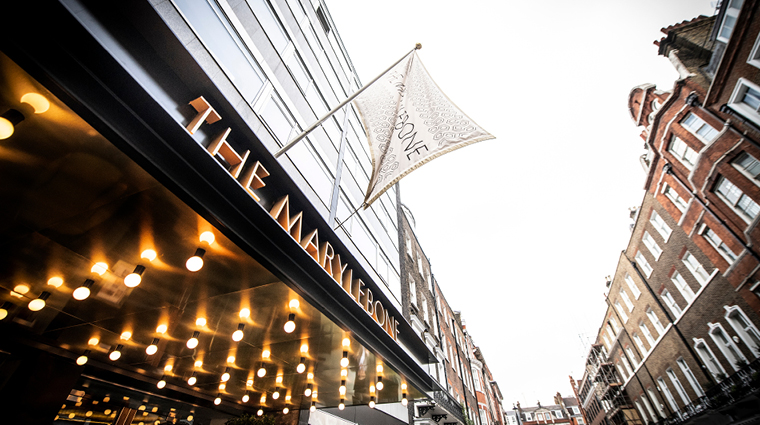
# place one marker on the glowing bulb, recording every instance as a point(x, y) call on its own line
point(193, 341)
point(133, 279)
point(222, 386)
point(294, 304)
point(201, 321)
point(342, 389)
point(379, 385)
point(192, 380)
point(262, 372)
point(99, 268)
point(226, 375)
point(344, 372)
point(38, 304)
point(190, 418)
point(20, 290)
point(195, 262)
point(55, 282)
point(83, 292)
point(263, 399)
point(371, 389)
point(238, 334)
point(245, 312)
point(148, 254)
point(278, 379)
point(153, 347)
point(372, 403)
point(168, 368)
point(115, 354)
point(341, 406)
point(285, 411)
point(81, 360)
point(275, 395)
point(344, 360)
point(37, 101)
point(126, 335)
point(6, 128)
point(246, 397)
point(379, 368)
point(290, 325)
point(259, 412)
point(218, 401)
point(198, 363)
point(309, 376)
point(161, 329)
point(161, 384)
point(207, 237)
point(265, 354)
point(346, 342)
point(300, 368)
point(307, 391)
point(4, 310)
point(404, 401)
point(231, 359)
point(304, 348)
point(313, 407)
point(403, 387)
point(249, 383)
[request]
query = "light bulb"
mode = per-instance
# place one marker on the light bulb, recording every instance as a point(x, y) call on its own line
point(372, 403)
point(276, 395)
point(249, 382)
point(380, 383)
point(99, 268)
point(344, 372)
point(55, 282)
point(263, 398)
point(244, 312)
point(231, 359)
point(344, 360)
point(83, 292)
point(38, 304)
point(222, 386)
point(218, 401)
point(81, 360)
point(201, 321)
point(265, 354)
point(294, 304)
point(278, 379)
point(262, 372)
point(37, 101)
point(133, 279)
point(403, 386)
point(192, 380)
point(307, 391)
point(290, 325)
point(198, 363)
point(309, 376)
point(93, 341)
point(404, 401)
point(195, 262)
point(20, 290)
point(193, 341)
point(246, 397)
point(115, 354)
point(238, 334)
point(148, 254)
point(161, 329)
point(168, 367)
point(6, 128)
point(304, 348)
point(226, 375)
point(342, 389)
point(161, 384)
point(346, 342)
point(126, 335)
point(342, 405)
point(379, 368)
point(207, 237)
point(153, 347)
point(190, 418)
point(4, 309)
point(301, 367)
point(259, 412)
point(313, 407)
point(285, 411)
point(371, 389)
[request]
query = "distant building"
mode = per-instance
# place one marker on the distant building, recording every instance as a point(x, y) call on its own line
point(564, 411)
point(679, 341)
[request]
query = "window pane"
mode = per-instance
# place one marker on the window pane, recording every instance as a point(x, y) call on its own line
point(270, 23)
point(752, 98)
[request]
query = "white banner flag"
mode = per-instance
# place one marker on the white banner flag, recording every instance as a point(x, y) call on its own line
point(409, 121)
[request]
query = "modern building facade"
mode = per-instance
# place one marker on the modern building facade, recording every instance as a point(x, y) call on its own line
point(160, 264)
point(679, 340)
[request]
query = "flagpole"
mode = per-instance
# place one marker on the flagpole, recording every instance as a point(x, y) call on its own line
point(352, 214)
point(341, 105)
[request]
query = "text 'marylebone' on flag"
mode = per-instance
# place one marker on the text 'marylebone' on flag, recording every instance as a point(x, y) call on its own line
point(409, 121)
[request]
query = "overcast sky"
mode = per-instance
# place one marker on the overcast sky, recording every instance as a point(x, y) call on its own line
point(522, 230)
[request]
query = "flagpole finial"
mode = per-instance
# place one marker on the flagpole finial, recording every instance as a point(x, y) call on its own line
point(418, 46)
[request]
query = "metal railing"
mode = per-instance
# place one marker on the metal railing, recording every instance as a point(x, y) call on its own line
point(731, 389)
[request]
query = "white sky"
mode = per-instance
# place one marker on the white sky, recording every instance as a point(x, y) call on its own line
point(522, 230)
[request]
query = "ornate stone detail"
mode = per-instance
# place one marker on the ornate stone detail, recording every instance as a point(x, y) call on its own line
point(424, 409)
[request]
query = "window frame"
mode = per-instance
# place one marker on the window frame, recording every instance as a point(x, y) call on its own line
point(632, 286)
point(678, 386)
point(686, 370)
point(720, 246)
point(712, 363)
point(671, 303)
point(694, 267)
point(684, 153)
point(680, 203)
point(697, 125)
point(652, 245)
point(726, 345)
point(660, 225)
point(668, 395)
point(749, 334)
point(731, 189)
point(655, 322)
point(620, 310)
point(647, 334)
point(644, 263)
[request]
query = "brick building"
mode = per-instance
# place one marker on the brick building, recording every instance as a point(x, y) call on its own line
point(468, 391)
point(565, 410)
point(679, 340)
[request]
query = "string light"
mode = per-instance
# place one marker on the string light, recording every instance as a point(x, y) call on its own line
point(301, 366)
point(99, 268)
point(244, 313)
point(148, 254)
point(285, 410)
point(115, 354)
point(261, 372)
point(207, 237)
point(201, 321)
point(195, 262)
point(372, 402)
point(290, 325)
point(246, 397)
point(342, 389)
point(83, 292)
point(226, 375)
point(346, 342)
point(304, 348)
point(218, 399)
point(161, 384)
point(153, 347)
point(133, 279)
point(404, 401)
point(238, 334)
point(19, 290)
point(313, 407)
point(259, 412)
point(38, 304)
point(55, 282)
point(161, 329)
point(193, 341)
point(344, 360)
point(231, 359)
point(294, 304)
point(379, 383)
point(307, 391)
point(342, 404)
point(192, 379)
point(276, 393)
point(198, 363)
point(126, 335)
point(81, 360)
point(4, 309)
point(265, 354)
